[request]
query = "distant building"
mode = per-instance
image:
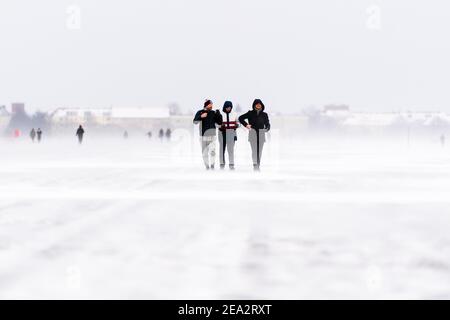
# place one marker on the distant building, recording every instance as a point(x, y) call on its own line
point(5, 117)
point(17, 107)
point(76, 116)
point(396, 121)
point(19, 119)
point(371, 122)
point(145, 118)
point(337, 112)
point(336, 107)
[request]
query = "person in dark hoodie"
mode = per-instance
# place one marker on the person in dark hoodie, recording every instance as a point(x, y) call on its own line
point(80, 134)
point(39, 134)
point(257, 122)
point(207, 120)
point(32, 134)
point(168, 134)
point(227, 134)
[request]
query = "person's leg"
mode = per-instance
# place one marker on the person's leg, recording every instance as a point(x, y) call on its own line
point(254, 152)
point(205, 152)
point(212, 148)
point(222, 146)
point(252, 140)
point(261, 146)
point(261, 141)
point(257, 150)
point(230, 148)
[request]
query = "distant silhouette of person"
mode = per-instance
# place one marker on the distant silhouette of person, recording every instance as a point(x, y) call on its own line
point(161, 134)
point(39, 134)
point(149, 134)
point(125, 135)
point(168, 134)
point(32, 134)
point(80, 134)
point(442, 140)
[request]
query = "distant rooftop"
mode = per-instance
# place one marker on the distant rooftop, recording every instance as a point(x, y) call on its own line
point(140, 112)
point(118, 112)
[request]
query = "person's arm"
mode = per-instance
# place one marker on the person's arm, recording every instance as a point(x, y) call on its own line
point(235, 119)
point(267, 123)
point(197, 117)
point(242, 119)
point(218, 117)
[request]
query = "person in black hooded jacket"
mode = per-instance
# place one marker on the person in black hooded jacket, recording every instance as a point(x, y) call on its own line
point(207, 120)
point(80, 134)
point(257, 122)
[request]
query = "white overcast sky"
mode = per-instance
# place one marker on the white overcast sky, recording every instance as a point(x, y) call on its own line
point(289, 53)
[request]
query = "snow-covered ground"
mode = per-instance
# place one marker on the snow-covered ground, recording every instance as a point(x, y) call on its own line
point(141, 219)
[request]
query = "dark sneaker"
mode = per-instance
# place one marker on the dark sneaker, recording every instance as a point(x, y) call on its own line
point(212, 167)
point(231, 166)
point(222, 166)
point(256, 167)
point(207, 167)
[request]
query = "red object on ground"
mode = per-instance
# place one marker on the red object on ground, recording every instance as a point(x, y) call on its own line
point(16, 133)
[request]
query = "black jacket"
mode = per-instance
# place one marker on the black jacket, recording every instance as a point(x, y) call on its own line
point(258, 120)
point(208, 124)
point(80, 132)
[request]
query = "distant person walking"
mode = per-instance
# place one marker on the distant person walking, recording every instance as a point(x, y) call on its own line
point(125, 135)
point(168, 134)
point(32, 134)
point(39, 134)
point(227, 134)
point(161, 135)
point(207, 119)
point(442, 140)
point(149, 134)
point(258, 124)
point(80, 134)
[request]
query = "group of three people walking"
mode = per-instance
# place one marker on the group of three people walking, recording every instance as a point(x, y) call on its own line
point(255, 120)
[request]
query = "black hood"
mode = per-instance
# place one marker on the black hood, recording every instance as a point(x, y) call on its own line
point(256, 102)
point(227, 104)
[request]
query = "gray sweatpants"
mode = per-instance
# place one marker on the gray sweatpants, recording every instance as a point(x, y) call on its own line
point(208, 149)
point(257, 140)
point(226, 143)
